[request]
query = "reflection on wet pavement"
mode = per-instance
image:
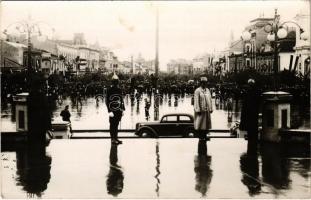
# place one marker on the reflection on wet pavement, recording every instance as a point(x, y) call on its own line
point(115, 176)
point(153, 168)
point(275, 169)
point(203, 172)
point(157, 176)
point(250, 173)
point(33, 169)
point(32, 166)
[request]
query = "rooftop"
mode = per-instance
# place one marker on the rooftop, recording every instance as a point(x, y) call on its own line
point(262, 19)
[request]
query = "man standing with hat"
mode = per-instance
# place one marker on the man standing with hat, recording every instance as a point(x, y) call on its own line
point(202, 109)
point(115, 106)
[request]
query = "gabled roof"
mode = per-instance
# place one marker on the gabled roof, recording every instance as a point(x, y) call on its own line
point(236, 46)
point(17, 45)
point(70, 42)
point(260, 19)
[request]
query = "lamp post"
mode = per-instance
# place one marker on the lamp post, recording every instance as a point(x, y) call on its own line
point(37, 112)
point(30, 28)
point(276, 32)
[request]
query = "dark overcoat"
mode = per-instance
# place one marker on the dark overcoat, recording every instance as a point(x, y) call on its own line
point(250, 109)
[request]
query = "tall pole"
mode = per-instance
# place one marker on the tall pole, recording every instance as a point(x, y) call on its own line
point(29, 50)
point(255, 54)
point(157, 44)
point(132, 64)
point(276, 22)
point(28, 27)
point(276, 56)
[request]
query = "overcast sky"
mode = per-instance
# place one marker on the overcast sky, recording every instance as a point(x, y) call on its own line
point(128, 28)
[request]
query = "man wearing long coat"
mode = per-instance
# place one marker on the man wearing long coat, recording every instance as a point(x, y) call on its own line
point(202, 109)
point(250, 114)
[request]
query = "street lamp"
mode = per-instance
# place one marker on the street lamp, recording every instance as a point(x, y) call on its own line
point(277, 31)
point(276, 104)
point(29, 28)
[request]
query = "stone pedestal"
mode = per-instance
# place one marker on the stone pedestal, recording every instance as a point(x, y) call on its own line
point(275, 114)
point(61, 130)
point(21, 111)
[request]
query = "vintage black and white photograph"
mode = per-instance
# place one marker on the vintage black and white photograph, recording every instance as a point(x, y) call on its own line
point(155, 99)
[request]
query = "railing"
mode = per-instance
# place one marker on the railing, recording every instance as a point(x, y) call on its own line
point(129, 133)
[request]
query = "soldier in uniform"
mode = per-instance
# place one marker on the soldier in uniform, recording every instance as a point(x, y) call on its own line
point(115, 106)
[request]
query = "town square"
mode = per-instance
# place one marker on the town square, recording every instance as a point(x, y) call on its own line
point(155, 99)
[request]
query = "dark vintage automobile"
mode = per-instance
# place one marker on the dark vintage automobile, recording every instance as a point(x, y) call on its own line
point(176, 124)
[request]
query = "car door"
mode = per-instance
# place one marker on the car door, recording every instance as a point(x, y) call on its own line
point(168, 125)
point(184, 122)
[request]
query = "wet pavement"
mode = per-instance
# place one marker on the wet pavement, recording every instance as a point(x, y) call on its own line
point(154, 168)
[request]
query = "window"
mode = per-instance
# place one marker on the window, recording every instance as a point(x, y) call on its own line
point(248, 63)
point(169, 119)
point(21, 117)
point(184, 119)
point(284, 118)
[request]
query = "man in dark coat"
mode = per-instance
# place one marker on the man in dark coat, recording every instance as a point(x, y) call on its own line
point(39, 116)
point(250, 112)
point(115, 106)
point(65, 114)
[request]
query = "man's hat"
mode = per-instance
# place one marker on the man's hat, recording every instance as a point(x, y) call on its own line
point(203, 79)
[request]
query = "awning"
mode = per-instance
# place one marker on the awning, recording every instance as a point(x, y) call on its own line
point(11, 64)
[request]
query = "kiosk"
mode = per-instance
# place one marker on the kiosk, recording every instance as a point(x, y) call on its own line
point(21, 111)
point(275, 115)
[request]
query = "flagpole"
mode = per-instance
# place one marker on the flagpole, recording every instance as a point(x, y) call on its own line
point(157, 46)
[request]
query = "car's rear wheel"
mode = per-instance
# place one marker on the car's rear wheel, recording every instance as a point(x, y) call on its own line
point(145, 133)
point(190, 133)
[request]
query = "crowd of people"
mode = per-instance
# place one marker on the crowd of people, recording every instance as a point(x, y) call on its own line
point(58, 86)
